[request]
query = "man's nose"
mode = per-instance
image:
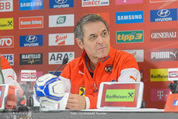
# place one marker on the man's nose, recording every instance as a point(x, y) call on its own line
point(100, 39)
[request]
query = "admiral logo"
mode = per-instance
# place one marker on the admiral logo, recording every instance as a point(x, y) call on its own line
point(163, 15)
point(119, 2)
point(30, 4)
point(6, 5)
point(89, 3)
point(31, 22)
point(10, 58)
point(61, 39)
point(61, 20)
point(6, 41)
point(129, 17)
point(57, 57)
point(30, 59)
point(172, 74)
point(138, 54)
point(31, 40)
point(129, 36)
point(155, 1)
point(61, 3)
point(159, 74)
point(164, 34)
point(164, 55)
point(28, 75)
point(159, 94)
point(6, 23)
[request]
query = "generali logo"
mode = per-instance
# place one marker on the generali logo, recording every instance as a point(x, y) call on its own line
point(61, 39)
point(164, 55)
point(31, 22)
point(163, 34)
point(6, 41)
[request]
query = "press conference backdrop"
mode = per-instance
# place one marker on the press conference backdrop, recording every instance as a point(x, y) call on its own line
point(37, 34)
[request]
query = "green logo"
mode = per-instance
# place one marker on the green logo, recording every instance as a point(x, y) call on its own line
point(129, 36)
point(120, 95)
point(61, 20)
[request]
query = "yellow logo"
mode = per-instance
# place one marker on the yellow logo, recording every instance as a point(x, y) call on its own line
point(159, 74)
point(82, 91)
point(6, 23)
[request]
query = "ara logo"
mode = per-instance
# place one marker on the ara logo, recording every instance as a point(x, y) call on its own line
point(57, 57)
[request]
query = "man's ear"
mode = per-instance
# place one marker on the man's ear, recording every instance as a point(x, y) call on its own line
point(79, 42)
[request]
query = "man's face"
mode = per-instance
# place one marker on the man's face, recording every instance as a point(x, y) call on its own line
point(96, 40)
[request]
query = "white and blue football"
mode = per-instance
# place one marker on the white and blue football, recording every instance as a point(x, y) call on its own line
point(48, 89)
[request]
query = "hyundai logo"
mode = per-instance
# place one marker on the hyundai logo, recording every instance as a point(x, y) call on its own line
point(31, 38)
point(60, 1)
point(163, 13)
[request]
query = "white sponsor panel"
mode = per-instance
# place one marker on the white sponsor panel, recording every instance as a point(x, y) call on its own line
point(89, 3)
point(138, 54)
point(10, 58)
point(28, 75)
point(61, 39)
point(61, 20)
point(6, 5)
point(57, 57)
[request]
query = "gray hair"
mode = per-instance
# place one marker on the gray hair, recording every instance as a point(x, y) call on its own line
point(86, 19)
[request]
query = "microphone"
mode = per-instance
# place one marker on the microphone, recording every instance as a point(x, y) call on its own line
point(64, 61)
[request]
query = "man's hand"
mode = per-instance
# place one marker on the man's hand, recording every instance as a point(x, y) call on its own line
point(76, 102)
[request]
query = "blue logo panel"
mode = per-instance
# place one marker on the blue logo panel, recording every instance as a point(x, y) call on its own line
point(61, 3)
point(31, 40)
point(163, 15)
point(10, 58)
point(30, 4)
point(57, 73)
point(129, 17)
point(175, 103)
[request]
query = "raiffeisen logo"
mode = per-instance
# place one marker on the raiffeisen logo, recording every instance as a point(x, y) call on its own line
point(61, 20)
point(159, 75)
point(120, 95)
point(163, 15)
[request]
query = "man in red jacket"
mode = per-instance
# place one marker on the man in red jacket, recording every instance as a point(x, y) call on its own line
point(10, 78)
point(99, 62)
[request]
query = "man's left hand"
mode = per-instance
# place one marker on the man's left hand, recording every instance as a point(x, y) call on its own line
point(76, 102)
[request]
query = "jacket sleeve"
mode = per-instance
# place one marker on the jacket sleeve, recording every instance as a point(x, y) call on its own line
point(130, 71)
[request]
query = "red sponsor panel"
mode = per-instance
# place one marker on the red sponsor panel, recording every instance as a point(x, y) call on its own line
point(159, 94)
point(31, 22)
point(6, 41)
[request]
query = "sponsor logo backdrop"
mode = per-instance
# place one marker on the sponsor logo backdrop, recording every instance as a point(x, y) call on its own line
point(37, 34)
